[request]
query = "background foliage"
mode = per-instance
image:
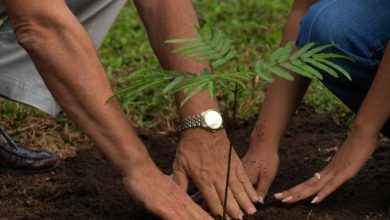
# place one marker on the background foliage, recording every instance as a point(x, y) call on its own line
point(255, 27)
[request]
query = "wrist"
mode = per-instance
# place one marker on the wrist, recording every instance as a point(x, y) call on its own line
point(201, 133)
point(135, 159)
point(364, 130)
point(258, 141)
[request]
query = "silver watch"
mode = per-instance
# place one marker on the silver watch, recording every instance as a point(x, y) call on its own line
point(209, 119)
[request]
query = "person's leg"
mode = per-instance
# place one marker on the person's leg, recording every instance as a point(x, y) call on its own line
point(361, 29)
point(19, 79)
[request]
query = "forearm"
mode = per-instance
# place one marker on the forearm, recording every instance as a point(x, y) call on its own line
point(282, 96)
point(171, 19)
point(67, 62)
point(375, 109)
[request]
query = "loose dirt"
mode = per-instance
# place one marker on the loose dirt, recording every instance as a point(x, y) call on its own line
point(86, 186)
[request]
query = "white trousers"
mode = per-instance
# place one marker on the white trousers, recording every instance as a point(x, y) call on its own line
point(19, 79)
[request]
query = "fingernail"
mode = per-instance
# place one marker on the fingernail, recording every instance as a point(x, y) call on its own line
point(240, 216)
point(278, 195)
point(287, 199)
point(252, 210)
point(314, 200)
point(255, 198)
point(261, 200)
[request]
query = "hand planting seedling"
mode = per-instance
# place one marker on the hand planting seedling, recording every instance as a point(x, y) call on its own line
point(215, 47)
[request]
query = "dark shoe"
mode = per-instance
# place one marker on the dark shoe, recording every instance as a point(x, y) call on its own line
point(17, 160)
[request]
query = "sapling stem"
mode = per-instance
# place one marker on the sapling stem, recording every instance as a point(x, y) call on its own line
point(230, 152)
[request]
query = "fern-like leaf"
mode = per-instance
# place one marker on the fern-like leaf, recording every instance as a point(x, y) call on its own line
point(210, 46)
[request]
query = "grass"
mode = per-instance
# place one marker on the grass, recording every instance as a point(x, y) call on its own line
point(255, 27)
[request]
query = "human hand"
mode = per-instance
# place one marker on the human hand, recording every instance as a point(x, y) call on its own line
point(161, 195)
point(261, 164)
point(347, 162)
point(203, 156)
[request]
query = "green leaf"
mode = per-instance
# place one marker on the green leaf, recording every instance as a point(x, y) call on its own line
point(172, 84)
point(336, 67)
point(267, 76)
point(200, 88)
point(297, 70)
point(302, 51)
point(217, 63)
point(276, 55)
point(262, 73)
point(286, 51)
point(205, 33)
point(231, 55)
point(212, 89)
point(211, 45)
point(323, 67)
point(316, 50)
point(278, 71)
point(182, 40)
point(332, 55)
point(186, 49)
point(227, 46)
point(312, 71)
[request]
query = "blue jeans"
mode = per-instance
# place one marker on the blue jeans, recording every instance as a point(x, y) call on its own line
point(361, 29)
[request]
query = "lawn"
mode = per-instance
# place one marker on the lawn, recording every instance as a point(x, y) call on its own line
point(85, 185)
point(255, 27)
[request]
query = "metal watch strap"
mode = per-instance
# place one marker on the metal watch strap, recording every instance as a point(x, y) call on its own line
point(192, 122)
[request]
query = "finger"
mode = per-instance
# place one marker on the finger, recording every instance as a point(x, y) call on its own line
point(174, 208)
point(166, 213)
point(330, 187)
point(287, 196)
point(241, 196)
point(196, 212)
point(183, 211)
point(247, 184)
point(306, 192)
point(180, 177)
point(185, 207)
point(262, 187)
point(211, 197)
point(232, 207)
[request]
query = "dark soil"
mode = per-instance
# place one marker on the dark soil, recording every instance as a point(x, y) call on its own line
point(88, 187)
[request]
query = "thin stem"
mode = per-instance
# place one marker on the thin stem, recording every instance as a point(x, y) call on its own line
point(230, 152)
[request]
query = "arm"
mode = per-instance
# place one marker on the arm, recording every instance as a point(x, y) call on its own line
point(359, 145)
point(201, 154)
point(281, 100)
point(375, 109)
point(67, 61)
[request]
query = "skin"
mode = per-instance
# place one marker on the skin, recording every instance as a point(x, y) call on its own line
point(280, 104)
point(201, 155)
point(282, 98)
point(67, 61)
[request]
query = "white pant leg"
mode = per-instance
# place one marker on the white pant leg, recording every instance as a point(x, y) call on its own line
point(19, 79)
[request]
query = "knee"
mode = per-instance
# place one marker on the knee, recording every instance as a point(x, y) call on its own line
point(325, 25)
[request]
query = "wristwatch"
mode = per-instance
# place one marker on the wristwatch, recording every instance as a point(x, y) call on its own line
point(210, 120)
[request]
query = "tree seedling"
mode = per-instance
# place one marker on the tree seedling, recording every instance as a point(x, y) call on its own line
point(215, 47)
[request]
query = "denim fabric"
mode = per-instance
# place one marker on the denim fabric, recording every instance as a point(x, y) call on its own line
point(361, 29)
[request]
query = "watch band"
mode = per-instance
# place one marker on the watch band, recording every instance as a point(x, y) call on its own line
point(192, 122)
point(199, 120)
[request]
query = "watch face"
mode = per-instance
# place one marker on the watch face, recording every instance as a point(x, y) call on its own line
point(213, 119)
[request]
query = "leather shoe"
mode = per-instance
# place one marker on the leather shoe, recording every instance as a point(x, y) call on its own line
point(17, 160)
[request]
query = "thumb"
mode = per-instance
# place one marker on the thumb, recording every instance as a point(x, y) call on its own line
point(180, 177)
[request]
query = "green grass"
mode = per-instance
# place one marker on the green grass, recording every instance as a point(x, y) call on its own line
point(255, 26)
